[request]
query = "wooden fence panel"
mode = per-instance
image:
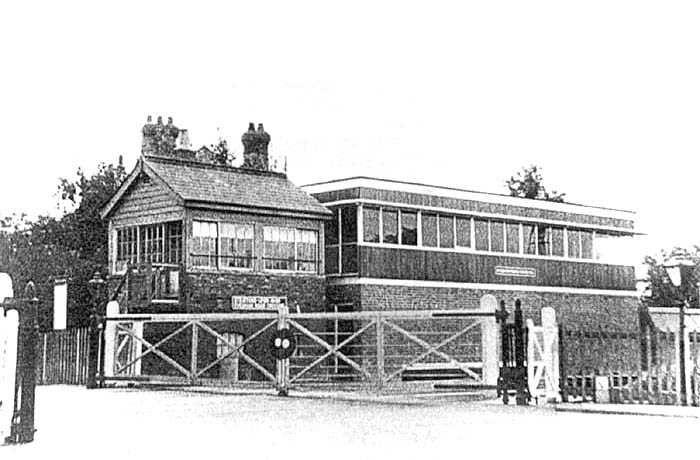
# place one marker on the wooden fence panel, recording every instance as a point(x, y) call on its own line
point(62, 357)
point(638, 367)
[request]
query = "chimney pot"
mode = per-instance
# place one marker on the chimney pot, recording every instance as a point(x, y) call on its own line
point(150, 119)
point(255, 144)
point(160, 120)
point(170, 121)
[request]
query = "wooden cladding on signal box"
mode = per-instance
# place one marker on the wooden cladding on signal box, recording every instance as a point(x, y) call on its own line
point(407, 264)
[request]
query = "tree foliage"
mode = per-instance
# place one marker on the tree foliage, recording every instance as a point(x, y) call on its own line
point(660, 292)
point(222, 154)
point(73, 246)
point(528, 184)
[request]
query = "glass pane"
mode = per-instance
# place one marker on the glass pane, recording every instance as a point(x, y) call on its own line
point(543, 237)
point(306, 250)
point(558, 241)
point(429, 229)
point(513, 238)
point(447, 232)
point(278, 250)
point(349, 258)
point(574, 244)
point(390, 222)
point(497, 236)
point(529, 239)
point(586, 244)
point(370, 222)
point(236, 245)
point(481, 234)
point(332, 260)
point(348, 225)
point(464, 232)
point(174, 242)
point(409, 228)
point(332, 228)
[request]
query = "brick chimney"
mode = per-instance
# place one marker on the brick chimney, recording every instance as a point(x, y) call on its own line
point(159, 139)
point(255, 148)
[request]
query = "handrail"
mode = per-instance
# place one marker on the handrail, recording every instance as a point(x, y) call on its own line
point(119, 288)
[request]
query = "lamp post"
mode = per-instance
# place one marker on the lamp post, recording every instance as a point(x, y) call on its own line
point(679, 271)
point(95, 284)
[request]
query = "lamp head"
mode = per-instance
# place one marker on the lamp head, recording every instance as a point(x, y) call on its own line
point(678, 270)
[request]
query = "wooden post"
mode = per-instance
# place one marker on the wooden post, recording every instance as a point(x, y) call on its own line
point(563, 377)
point(9, 327)
point(112, 310)
point(137, 347)
point(521, 396)
point(489, 341)
point(193, 357)
point(679, 377)
point(682, 357)
point(22, 430)
point(43, 364)
point(694, 362)
point(283, 364)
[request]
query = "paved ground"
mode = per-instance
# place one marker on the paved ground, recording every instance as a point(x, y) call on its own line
point(75, 423)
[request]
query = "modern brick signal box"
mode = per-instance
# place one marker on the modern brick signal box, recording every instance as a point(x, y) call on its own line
point(398, 245)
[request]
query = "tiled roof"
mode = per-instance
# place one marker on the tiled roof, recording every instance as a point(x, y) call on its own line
point(222, 185)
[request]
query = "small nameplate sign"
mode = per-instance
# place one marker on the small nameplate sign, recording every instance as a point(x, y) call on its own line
point(260, 303)
point(516, 271)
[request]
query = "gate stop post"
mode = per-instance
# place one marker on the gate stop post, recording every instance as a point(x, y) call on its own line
point(22, 429)
point(283, 364)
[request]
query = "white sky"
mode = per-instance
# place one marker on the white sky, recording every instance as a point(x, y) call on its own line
point(603, 95)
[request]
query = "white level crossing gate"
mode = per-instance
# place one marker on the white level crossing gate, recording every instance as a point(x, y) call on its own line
point(543, 357)
point(376, 350)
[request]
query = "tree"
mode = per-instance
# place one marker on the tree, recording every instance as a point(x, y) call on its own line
point(73, 246)
point(528, 184)
point(660, 292)
point(222, 155)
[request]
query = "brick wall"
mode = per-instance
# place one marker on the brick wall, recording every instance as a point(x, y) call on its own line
point(211, 292)
point(582, 310)
point(613, 317)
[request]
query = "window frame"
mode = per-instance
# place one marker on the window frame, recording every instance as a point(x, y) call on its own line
point(159, 244)
point(215, 257)
point(295, 261)
point(220, 245)
point(544, 234)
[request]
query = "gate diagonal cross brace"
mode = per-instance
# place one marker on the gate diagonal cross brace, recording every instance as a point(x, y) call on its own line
point(539, 344)
point(154, 349)
point(433, 349)
point(537, 364)
point(329, 347)
point(122, 344)
point(237, 349)
point(191, 375)
point(334, 350)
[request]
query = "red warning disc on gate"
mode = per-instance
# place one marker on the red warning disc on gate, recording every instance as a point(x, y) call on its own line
point(282, 343)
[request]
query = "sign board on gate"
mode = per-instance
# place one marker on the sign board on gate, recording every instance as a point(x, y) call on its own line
point(257, 303)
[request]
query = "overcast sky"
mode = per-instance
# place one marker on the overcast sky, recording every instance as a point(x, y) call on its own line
point(603, 95)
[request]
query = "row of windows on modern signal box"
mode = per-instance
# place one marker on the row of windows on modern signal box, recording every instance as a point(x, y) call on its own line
point(385, 226)
point(218, 245)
